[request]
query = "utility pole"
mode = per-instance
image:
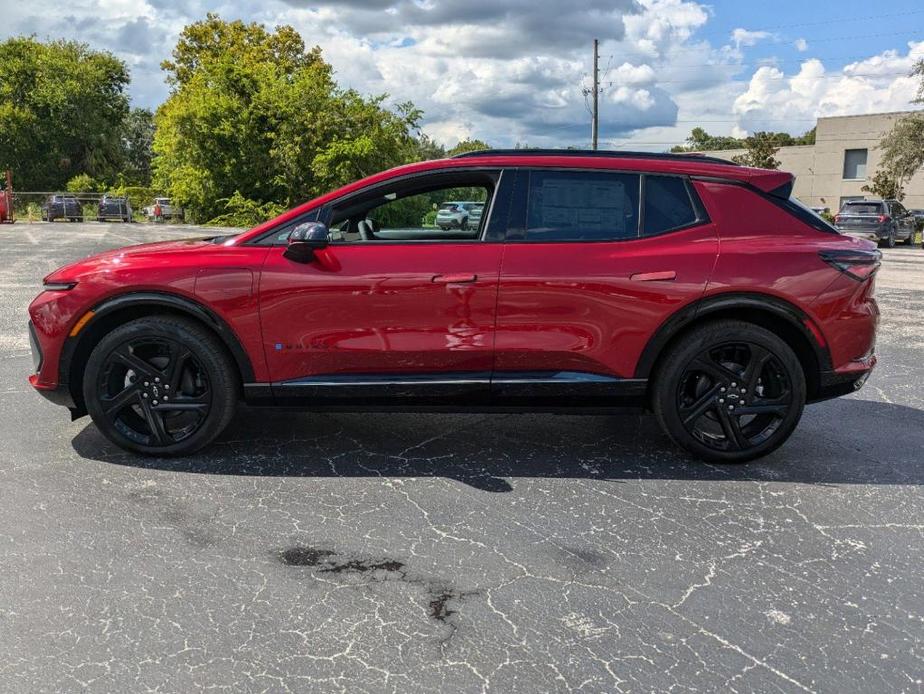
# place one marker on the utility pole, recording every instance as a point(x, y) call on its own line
point(595, 127)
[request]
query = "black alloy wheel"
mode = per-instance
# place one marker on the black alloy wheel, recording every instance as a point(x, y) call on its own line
point(160, 385)
point(730, 392)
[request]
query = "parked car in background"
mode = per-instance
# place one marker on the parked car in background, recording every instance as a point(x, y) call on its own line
point(595, 283)
point(163, 209)
point(454, 215)
point(114, 207)
point(474, 216)
point(882, 221)
point(61, 207)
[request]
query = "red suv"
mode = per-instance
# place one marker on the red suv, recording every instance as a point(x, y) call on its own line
point(594, 281)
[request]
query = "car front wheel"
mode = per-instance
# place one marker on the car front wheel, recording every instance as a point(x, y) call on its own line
point(729, 392)
point(160, 386)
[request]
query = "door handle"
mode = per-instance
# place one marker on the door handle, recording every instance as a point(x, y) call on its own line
point(663, 276)
point(458, 278)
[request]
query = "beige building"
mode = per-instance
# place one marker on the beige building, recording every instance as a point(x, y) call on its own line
point(842, 160)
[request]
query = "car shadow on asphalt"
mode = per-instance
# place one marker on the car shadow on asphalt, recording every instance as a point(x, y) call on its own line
point(847, 441)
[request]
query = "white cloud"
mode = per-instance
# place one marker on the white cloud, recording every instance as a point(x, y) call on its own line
point(743, 37)
point(513, 70)
point(877, 84)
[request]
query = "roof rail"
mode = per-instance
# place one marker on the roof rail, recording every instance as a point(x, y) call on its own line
point(683, 156)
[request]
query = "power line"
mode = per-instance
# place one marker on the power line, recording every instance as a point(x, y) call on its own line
point(786, 77)
point(833, 20)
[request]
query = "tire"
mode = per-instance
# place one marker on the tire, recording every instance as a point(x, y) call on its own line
point(889, 242)
point(698, 385)
point(910, 240)
point(134, 371)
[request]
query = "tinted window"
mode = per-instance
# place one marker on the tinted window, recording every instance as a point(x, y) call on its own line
point(667, 204)
point(863, 208)
point(582, 206)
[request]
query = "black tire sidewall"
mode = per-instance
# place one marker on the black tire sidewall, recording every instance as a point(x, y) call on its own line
point(667, 380)
point(211, 356)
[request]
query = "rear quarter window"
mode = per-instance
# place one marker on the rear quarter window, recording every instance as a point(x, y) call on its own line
point(668, 205)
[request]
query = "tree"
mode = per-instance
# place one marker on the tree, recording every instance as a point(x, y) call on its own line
point(701, 141)
point(254, 112)
point(885, 185)
point(137, 142)
point(468, 145)
point(760, 150)
point(61, 109)
point(903, 146)
point(83, 183)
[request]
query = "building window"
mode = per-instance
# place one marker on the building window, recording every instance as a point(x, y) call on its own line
point(855, 164)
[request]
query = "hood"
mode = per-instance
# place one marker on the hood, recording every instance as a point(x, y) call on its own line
point(159, 253)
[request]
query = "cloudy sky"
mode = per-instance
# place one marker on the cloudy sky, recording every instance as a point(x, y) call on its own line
point(510, 71)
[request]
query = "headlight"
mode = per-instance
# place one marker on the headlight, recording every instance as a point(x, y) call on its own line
point(58, 286)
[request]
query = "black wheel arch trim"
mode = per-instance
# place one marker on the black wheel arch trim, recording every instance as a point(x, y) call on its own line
point(702, 308)
point(167, 300)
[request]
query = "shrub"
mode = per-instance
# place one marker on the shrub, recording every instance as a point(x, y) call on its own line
point(84, 183)
point(243, 212)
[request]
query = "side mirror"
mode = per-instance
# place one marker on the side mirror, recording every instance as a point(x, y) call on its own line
point(305, 239)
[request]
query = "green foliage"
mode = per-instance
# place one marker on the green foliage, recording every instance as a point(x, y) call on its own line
point(241, 212)
point(903, 146)
point(255, 113)
point(760, 150)
point(407, 212)
point(429, 219)
point(424, 148)
point(468, 145)
point(139, 197)
point(137, 140)
point(885, 185)
point(61, 109)
point(83, 183)
point(701, 141)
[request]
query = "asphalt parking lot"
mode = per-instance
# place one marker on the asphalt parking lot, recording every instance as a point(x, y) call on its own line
point(503, 553)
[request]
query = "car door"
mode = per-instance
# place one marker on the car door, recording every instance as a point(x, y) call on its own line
point(595, 261)
point(905, 220)
point(394, 306)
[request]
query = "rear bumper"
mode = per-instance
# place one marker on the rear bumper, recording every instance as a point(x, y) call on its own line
point(846, 380)
point(868, 234)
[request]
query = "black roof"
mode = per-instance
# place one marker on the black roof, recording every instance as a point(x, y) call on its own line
point(609, 154)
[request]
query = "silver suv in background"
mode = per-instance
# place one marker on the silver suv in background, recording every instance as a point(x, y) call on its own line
point(455, 215)
point(883, 221)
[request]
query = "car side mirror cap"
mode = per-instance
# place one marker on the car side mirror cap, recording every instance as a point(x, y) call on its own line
point(305, 239)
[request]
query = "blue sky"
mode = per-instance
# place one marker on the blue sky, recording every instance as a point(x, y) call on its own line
point(510, 71)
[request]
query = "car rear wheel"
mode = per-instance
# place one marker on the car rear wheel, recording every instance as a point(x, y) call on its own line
point(160, 386)
point(889, 241)
point(729, 392)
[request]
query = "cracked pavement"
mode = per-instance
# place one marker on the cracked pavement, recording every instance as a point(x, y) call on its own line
point(503, 553)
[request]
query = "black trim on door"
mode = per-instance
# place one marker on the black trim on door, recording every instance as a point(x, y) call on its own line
point(526, 390)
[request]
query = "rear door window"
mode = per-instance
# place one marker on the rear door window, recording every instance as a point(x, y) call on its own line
point(582, 206)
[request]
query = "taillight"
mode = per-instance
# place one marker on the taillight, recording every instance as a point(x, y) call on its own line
point(857, 264)
point(883, 218)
